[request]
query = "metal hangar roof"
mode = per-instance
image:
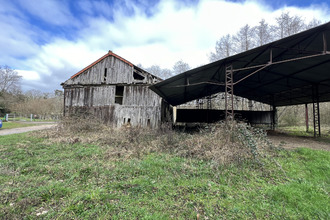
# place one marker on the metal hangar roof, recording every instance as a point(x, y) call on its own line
point(290, 71)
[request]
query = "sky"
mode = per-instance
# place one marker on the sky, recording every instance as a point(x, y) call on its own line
point(48, 41)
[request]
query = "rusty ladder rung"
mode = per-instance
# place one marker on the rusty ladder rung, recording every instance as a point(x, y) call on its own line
point(316, 119)
point(229, 93)
point(316, 112)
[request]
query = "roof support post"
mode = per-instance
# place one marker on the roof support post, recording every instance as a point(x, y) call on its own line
point(229, 94)
point(325, 49)
point(274, 117)
point(318, 117)
point(306, 117)
point(64, 103)
point(209, 101)
point(316, 112)
point(274, 114)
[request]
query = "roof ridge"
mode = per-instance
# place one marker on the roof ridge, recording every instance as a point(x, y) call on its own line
point(110, 53)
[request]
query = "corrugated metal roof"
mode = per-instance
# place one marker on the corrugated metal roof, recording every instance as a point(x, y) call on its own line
point(287, 72)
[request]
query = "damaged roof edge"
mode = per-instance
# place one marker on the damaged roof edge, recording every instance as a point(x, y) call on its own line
point(140, 69)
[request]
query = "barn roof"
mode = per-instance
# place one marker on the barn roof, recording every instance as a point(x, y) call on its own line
point(292, 70)
point(110, 53)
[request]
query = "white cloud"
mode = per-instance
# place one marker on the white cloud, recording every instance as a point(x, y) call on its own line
point(190, 33)
point(173, 31)
point(28, 74)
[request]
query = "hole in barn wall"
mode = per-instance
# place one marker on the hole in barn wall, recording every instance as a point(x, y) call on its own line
point(137, 76)
point(105, 75)
point(119, 95)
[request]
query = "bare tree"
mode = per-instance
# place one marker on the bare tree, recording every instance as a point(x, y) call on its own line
point(223, 48)
point(263, 33)
point(288, 25)
point(313, 23)
point(10, 88)
point(158, 71)
point(180, 67)
point(166, 73)
point(244, 39)
point(33, 94)
point(45, 105)
point(58, 93)
point(9, 80)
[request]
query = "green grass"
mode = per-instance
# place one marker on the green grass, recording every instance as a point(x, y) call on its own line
point(15, 124)
point(81, 181)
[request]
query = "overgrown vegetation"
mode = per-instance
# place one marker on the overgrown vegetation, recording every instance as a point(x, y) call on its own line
point(85, 171)
point(220, 144)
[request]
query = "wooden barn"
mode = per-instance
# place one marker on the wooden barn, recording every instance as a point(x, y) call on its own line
point(115, 91)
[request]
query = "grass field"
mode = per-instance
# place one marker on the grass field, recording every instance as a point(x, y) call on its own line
point(77, 178)
point(15, 124)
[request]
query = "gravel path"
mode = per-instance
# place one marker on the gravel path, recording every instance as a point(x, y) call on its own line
point(25, 129)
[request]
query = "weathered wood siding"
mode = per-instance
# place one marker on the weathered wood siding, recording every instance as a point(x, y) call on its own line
point(141, 96)
point(118, 115)
point(90, 96)
point(105, 95)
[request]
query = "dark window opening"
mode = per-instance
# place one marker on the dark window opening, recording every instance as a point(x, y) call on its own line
point(148, 123)
point(137, 76)
point(124, 120)
point(129, 121)
point(105, 74)
point(119, 95)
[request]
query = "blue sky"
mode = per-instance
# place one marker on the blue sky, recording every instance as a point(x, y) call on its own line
point(47, 41)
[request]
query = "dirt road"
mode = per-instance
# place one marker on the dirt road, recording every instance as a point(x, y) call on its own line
point(25, 129)
point(290, 142)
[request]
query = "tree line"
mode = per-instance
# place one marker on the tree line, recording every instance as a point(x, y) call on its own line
point(14, 100)
point(164, 73)
point(249, 37)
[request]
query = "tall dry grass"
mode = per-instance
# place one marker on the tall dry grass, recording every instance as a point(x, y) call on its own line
point(220, 143)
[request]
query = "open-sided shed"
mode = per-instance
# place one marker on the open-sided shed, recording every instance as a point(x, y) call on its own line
point(290, 71)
